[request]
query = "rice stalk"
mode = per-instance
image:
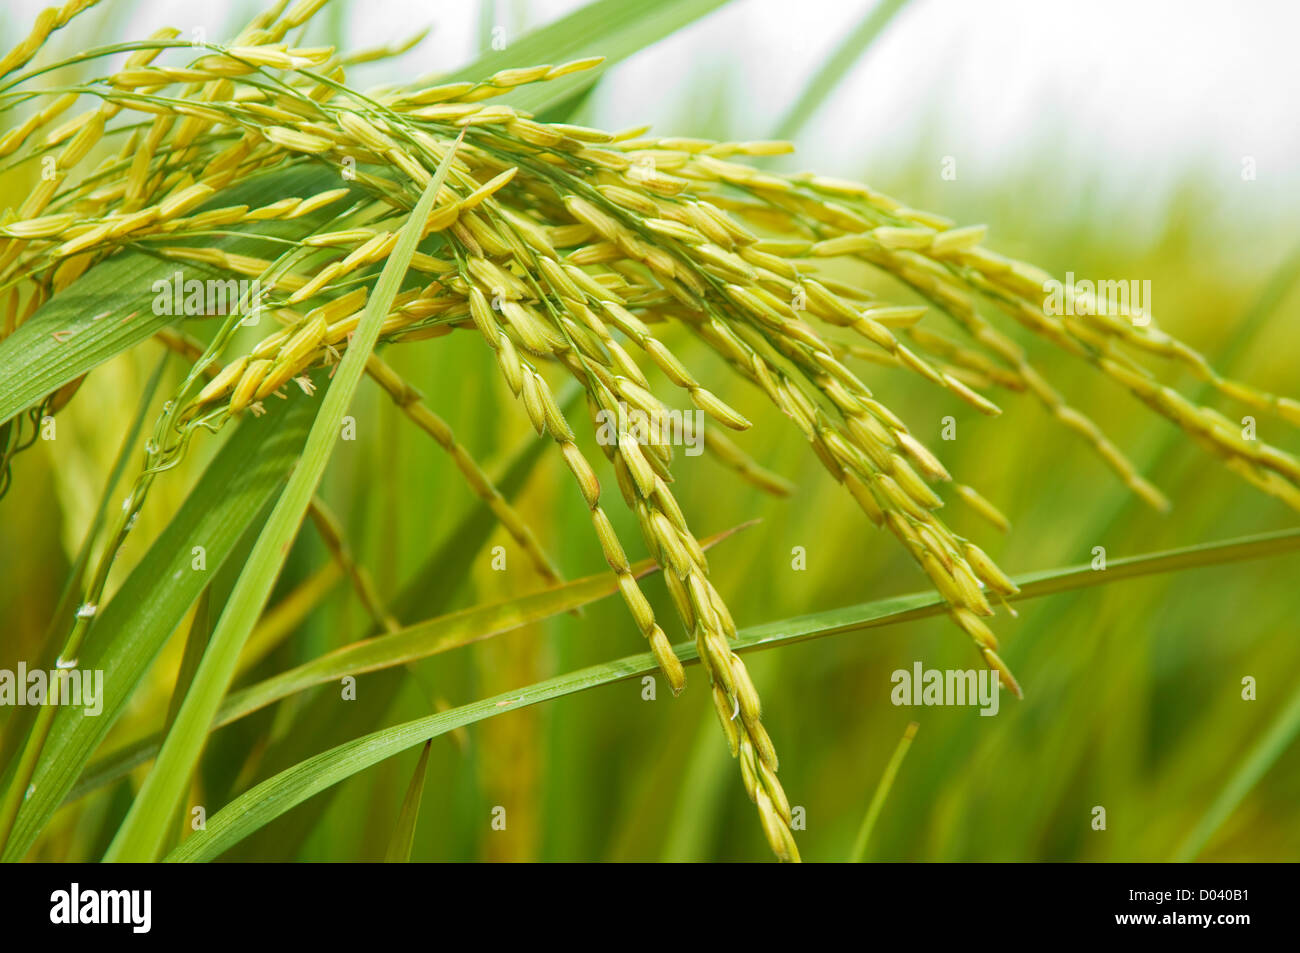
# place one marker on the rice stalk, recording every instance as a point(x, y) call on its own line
point(567, 249)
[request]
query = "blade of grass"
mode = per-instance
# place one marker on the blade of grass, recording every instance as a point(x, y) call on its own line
point(232, 494)
point(140, 619)
point(10, 782)
point(1281, 735)
point(1032, 586)
point(399, 851)
point(261, 804)
point(419, 641)
point(141, 835)
point(68, 598)
point(280, 621)
point(196, 642)
point(433, 637)
point(882, 792)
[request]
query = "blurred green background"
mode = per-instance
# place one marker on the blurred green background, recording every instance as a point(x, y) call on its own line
point(1132, 691)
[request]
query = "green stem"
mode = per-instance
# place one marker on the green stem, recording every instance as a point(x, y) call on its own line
point(882, 792)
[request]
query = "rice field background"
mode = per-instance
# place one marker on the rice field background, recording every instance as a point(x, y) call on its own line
point(1133, 689)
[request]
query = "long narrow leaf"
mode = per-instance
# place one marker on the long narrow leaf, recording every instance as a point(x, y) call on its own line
point(410, 644)
point(266, 801)
point(66, 606)
point(233, 492)
point(399, 849)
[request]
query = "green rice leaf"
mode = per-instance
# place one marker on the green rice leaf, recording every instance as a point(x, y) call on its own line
point(21, 726)
point(410, 644)
point(399, 850)
point(263, 803)
point(235, 489)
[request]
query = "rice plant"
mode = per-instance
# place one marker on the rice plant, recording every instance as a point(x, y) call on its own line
point(334, 225)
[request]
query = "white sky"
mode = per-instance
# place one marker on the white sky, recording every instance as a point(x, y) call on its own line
point(1128, 93)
